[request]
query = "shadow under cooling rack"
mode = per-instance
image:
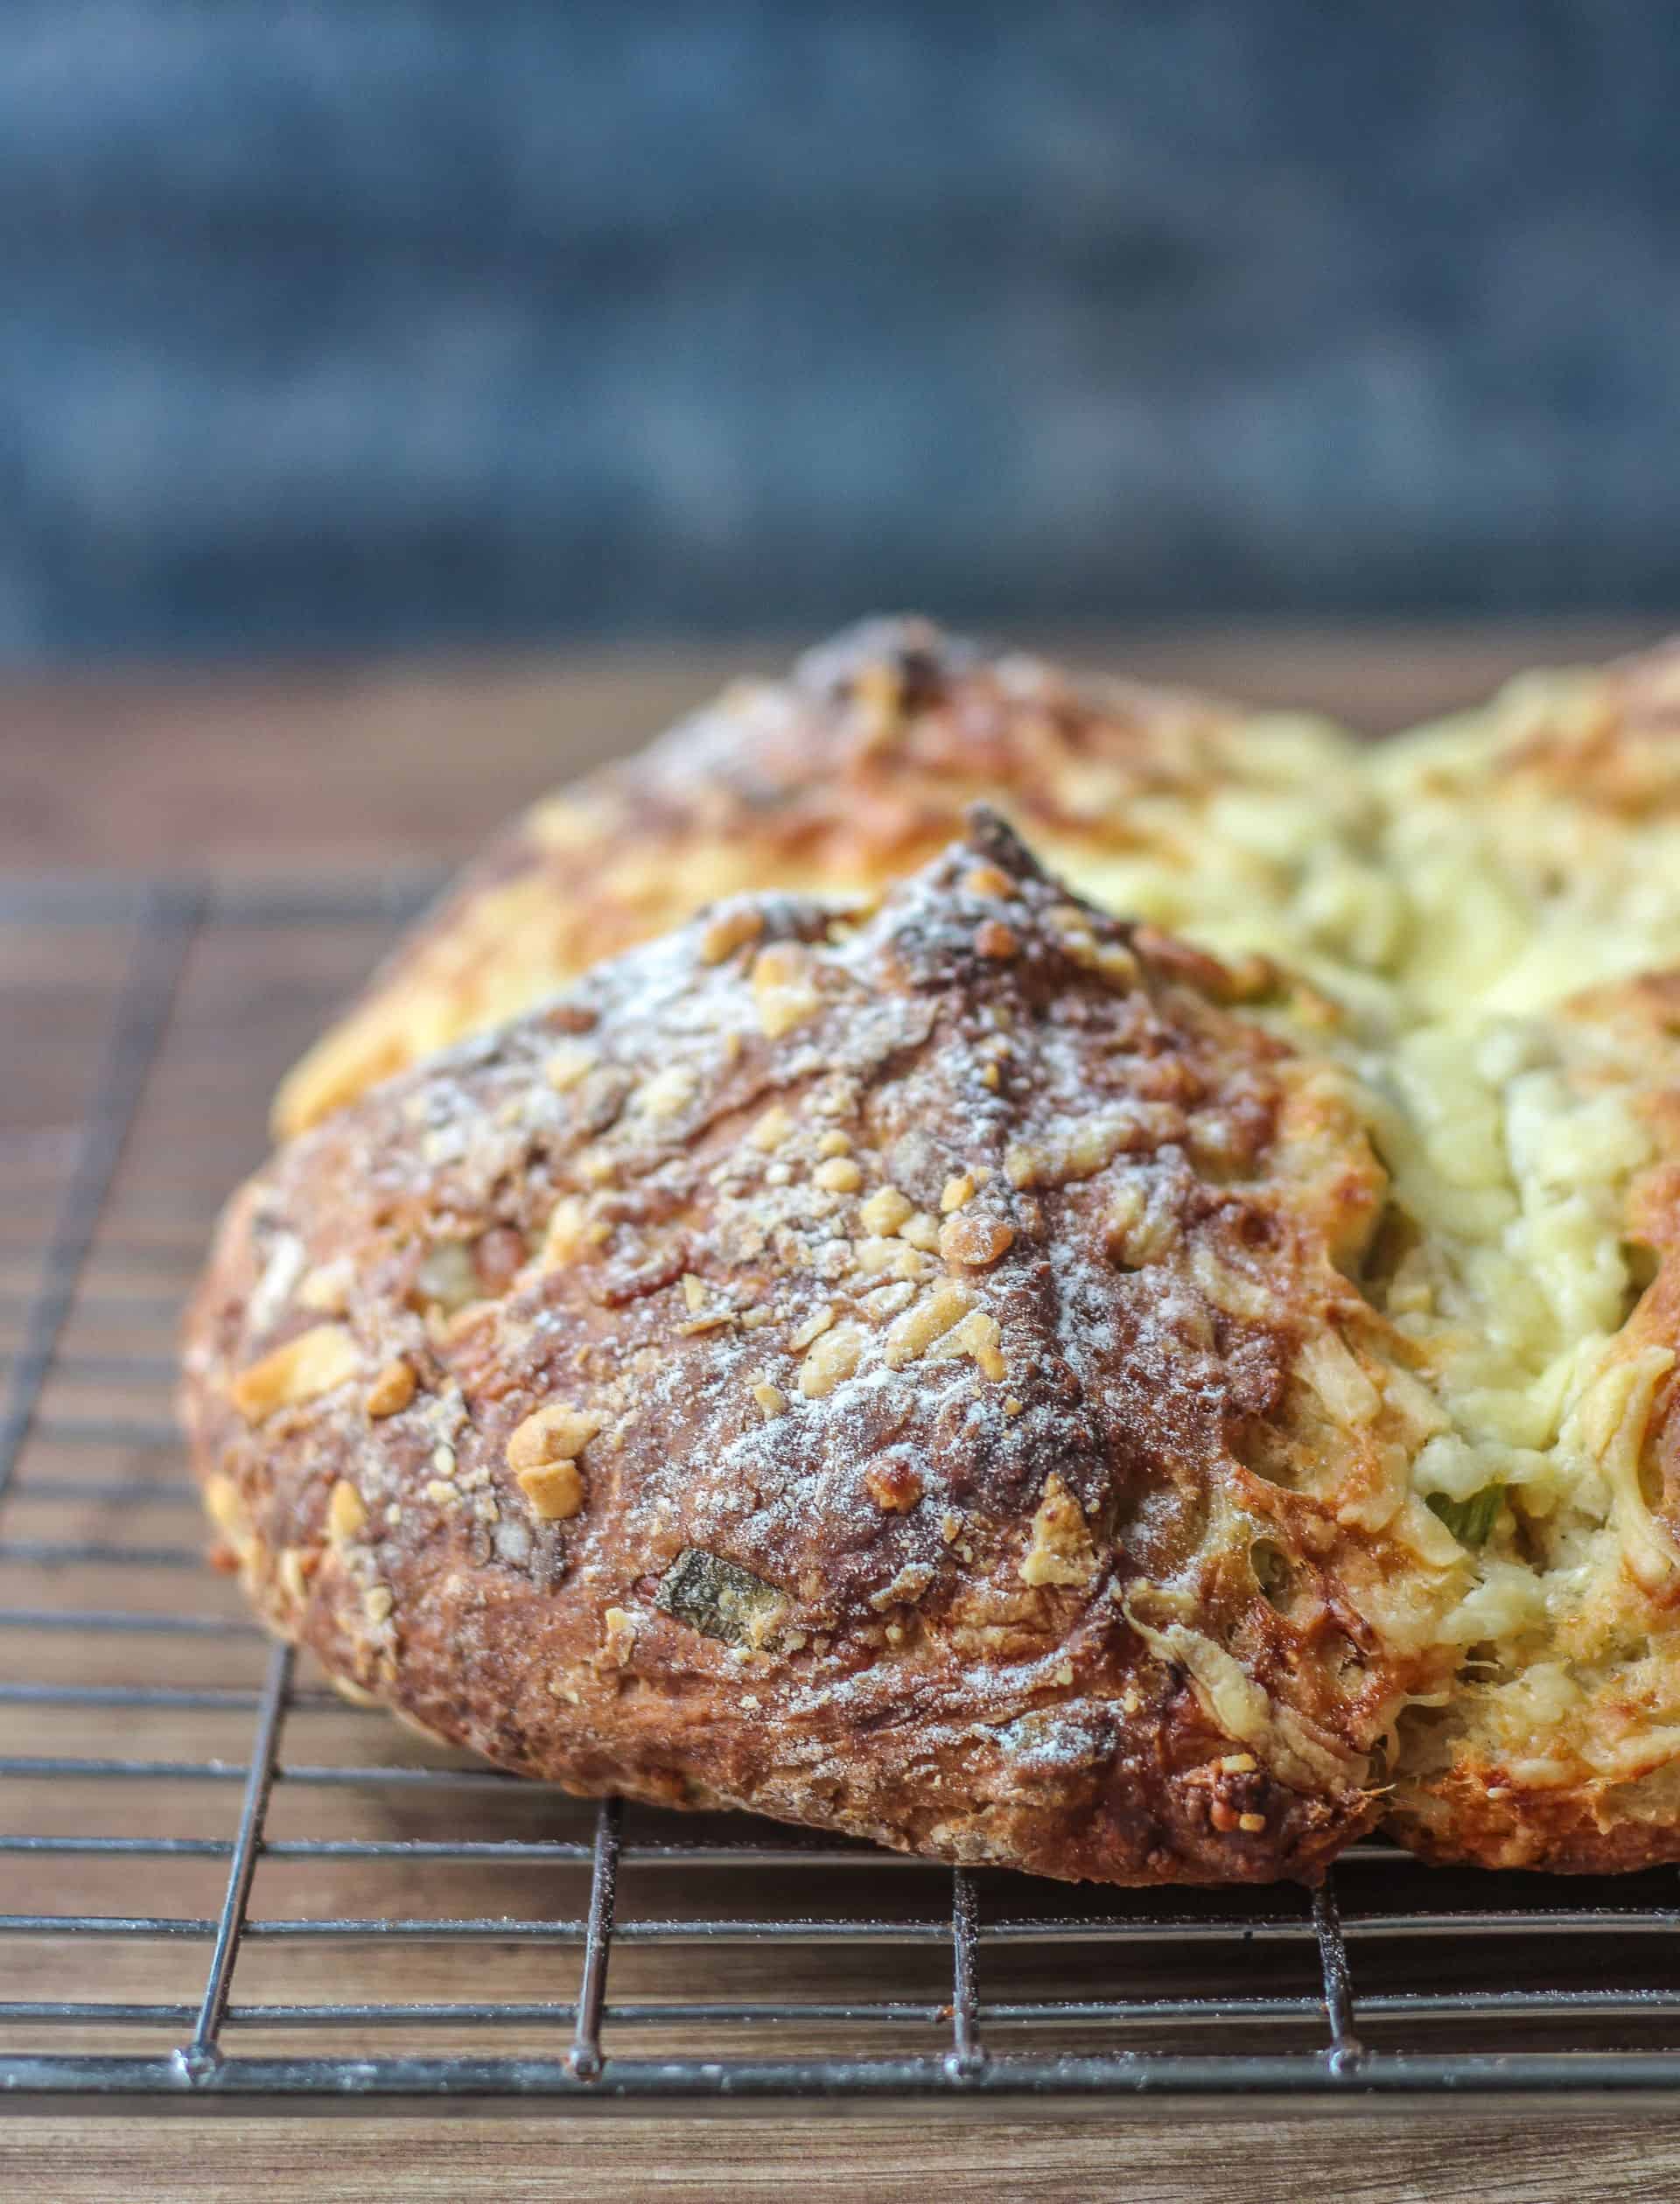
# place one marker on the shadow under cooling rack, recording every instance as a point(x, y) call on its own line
point(220, 1885)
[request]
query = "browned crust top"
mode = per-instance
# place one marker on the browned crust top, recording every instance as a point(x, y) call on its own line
point(851, 1373)
point(850, 772)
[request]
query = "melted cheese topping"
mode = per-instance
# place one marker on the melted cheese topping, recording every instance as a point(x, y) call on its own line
point(1449, 901)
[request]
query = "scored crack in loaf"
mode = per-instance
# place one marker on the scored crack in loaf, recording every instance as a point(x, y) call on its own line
point(1526, 1101)
point(907, 1376)
point(1528, 1257)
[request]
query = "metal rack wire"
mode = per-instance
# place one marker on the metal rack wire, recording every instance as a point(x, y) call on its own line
point(898, 1980)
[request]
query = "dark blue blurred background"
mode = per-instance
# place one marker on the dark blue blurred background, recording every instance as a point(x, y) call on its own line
point(389, 323)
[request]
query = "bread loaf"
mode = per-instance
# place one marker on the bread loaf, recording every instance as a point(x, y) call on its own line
point(1452, 962)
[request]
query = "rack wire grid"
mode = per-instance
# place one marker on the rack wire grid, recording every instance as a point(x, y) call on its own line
point(220, 1885)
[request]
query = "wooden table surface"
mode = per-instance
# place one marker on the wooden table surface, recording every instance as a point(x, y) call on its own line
point(351, 772)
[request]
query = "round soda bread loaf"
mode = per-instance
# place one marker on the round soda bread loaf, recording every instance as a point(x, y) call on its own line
point(1484, 921)
point(906, 1376)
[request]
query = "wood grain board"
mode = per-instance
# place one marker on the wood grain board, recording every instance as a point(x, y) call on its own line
point(358, 777)
point(1398, 2159)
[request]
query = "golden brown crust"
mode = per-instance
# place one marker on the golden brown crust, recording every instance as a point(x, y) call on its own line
point(1473, 1815)
point(1604, 738)
point(874, 1377)
point(845, 776)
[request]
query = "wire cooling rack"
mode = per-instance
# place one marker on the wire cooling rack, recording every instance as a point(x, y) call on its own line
point(220, 1885)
